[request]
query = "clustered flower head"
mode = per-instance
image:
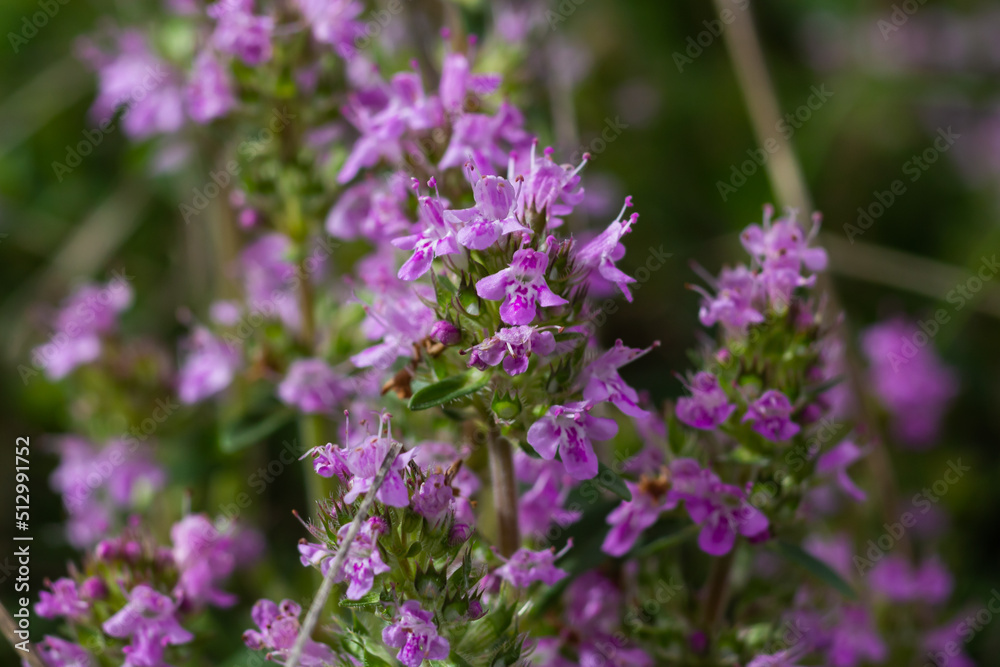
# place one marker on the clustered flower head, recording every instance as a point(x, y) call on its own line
point(406, 243)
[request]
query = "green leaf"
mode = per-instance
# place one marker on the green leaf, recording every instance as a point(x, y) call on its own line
point(372, 660)
point(371, 598)
point(414, 549)
point(816, 567)
point(449, 389)
point(668, 541)
point(246, 432)
point(610, 480)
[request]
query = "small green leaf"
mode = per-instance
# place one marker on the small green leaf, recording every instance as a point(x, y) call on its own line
point(449, 389)
point(371, 598)
point(246, 432)
point(372, 660)
point(816, 567)
point(610, 480)
point(414, 549)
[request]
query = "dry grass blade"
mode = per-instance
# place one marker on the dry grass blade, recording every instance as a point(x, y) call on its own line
point(338, 560)
point(8, 626)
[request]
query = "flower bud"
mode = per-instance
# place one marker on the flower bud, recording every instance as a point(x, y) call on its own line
point(506, 407)
point(446, 333)
point(93, 589)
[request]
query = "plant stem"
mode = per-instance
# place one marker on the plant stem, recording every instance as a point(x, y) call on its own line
point(504, 491)
point(718, 586)
point(311, 432)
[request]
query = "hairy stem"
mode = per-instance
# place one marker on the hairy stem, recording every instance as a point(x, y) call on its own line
point(504, 491)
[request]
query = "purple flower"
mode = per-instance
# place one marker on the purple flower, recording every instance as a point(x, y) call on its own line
point(632, 517)
point(279, 626)
point(208, 367)
point(525, 567)
point(550, 189)
point(87, 313)
point(364, 461)
point(771, 416)
point(521, 286)
point(433, 500)
point(64, 600)
point(413, 632)
point(708, 406)
point(370, 210)
point(60, 653)
point(446, 333)
point(209, 93)
point(486, 141)
point(737, 302)
point(131, 76)
point(782, 249)
point(311, 386)
point(780, 659)
point(899, 581)
point(512, 345)
point(593, 604)
point(603, 251)
point(492, 216)
point(569, 429)
point(457, 80)
point(854, 639)
point(362, 563)
point(270, 279)
point(721, 509)
point(545, 502)
point(603, 383)
point(837, 461)
point(436, 239)
point(909, 379)
point(334, 22)
point(241, 33)
point(149, 618)
point(400, 318)
point(204, 556)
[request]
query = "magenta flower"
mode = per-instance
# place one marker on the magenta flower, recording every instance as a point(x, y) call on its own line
point(239, 32)
point(632, 517)
point(513, 346)
point(603, 383)
point(486, 140)
point(525, 567)
point(737, 303)
point(780, 659)
point(545, 502)
point(550, 189)
point(896, 579)
point(909, 379)
point(270, 279)
point(334, 22)
point(568, 430)
point(60, 653)
point(782, 249)
point(204, 556)
point(854, 639)
point(208, 367)
point(457, 81)
point(708, 406)
point(64, 600)
point(603, 251)
point(593, 604)
point(721, 509)
point(837, 461)
point(492, 216)
point(433, 500)
point(770, 416)
point(209, 92)
point(364, 461)
point(521, 286)
point(311, 386)
point(149, 618)
point(370, 210)
point(413, 632)
point(446, 333)
point(436, 239)
point(279, 626)
point(362, 563)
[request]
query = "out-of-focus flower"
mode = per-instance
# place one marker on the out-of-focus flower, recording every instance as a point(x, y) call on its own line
point(209, 366)
point(279, 626)
point(771, 416)
point(312, 386)
point(413, 632)
point(708, 406)
point(525, 567)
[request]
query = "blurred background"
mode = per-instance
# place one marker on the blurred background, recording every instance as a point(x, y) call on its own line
point(892, 114)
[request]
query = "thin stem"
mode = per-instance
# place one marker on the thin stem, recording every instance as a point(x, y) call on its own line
point(8, 627)
point(309, 624)
point(504, 491)
point(718, 588)
point(311, 432)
